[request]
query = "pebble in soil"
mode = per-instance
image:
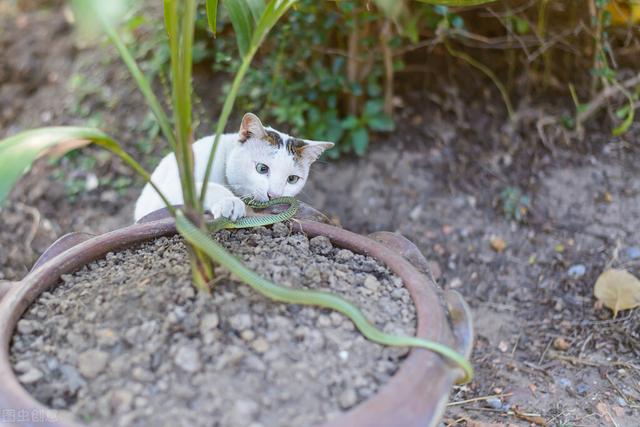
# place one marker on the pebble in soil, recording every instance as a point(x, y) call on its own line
point(128, 341)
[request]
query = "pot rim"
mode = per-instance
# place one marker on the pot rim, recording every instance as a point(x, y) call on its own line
point(415, 396)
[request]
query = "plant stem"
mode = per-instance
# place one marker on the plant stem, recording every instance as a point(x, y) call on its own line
point(224, 117)
point(180, 21)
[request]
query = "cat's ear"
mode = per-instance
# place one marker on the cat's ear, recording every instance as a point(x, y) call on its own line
point(313, 149)
point(251, 127)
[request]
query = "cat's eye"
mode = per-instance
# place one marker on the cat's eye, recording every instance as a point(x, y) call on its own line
point(261, 168)
point(293, 179)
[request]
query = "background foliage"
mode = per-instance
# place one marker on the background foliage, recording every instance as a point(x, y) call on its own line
point(331, 70)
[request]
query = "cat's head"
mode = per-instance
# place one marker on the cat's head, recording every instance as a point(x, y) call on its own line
point(265, 163)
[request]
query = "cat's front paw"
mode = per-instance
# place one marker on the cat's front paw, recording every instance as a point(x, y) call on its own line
point(228, 207)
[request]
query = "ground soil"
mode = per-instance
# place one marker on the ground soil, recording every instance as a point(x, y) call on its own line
point(128, 341)
point(544, 346)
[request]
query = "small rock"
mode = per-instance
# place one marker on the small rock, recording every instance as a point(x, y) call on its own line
point(633, 252)
point(348, 398)
point(244, 410)
point(344, 255)
point(142, 375)
point(92, 362)
point(336, 318)
point(280, 229)
point(495, 403)
point(188, 359)
point(31, 376)
point(582, 389)
point(371, 283)
point(321, 245)
point(260, 345)
point(247, 335)
point(323, 321)
point(240, 322)
point(414, 215)
point(564, 382)
point(121, 400)
point(498, 244)
point(23, 366)
point(209, 322)
point(561, 344)
point(72, 378)
point(106, 337)
point(29, 326)
point(456, 282)
point(576, 271)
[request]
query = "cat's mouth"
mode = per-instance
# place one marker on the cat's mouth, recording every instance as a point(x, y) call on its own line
point(257, 197)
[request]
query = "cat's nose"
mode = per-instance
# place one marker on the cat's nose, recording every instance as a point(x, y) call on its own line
point(273, 195)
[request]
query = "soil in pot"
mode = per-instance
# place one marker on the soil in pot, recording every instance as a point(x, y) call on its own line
point(128, 341)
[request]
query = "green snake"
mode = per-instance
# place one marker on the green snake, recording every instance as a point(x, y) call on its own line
point(213, 249)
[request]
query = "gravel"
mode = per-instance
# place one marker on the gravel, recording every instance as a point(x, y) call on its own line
point(127, 341)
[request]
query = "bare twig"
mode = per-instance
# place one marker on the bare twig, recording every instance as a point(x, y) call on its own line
point(479, 399)
point(601, 98)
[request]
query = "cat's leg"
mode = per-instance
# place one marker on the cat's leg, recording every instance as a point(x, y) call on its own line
point(221, 202)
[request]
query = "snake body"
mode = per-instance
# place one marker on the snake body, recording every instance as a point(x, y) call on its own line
point(258, 221)
point(201, 240)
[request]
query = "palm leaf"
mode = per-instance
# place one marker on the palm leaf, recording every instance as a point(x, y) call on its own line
point(18, 152)
point(212, 15)
point(242, 21)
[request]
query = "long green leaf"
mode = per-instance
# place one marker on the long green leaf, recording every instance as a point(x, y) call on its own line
point(19, 151)
point(256, 7)
point(272, 14)
point(628, 121)
point(213, 249)
point(242, 21)
point(212, 15)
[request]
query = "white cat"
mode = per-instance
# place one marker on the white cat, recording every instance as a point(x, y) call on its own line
point(257, 162)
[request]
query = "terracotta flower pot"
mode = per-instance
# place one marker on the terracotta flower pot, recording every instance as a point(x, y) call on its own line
point(415, 396)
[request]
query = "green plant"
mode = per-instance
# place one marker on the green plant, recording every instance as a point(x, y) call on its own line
point(515, 204)
point(252, 20)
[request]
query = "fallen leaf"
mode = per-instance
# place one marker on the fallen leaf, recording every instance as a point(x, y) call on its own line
point(607, 197)
point(503, 346)
point(533, 388)
point(498, 244)
point(531, 418)
point(561, 344)
point(559, 248)
point(618, 290)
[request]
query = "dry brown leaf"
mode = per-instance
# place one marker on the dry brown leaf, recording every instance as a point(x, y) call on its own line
point(618, 290)
point(531, 418)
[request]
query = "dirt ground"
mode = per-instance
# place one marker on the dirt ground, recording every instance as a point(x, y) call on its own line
point(546, 353)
